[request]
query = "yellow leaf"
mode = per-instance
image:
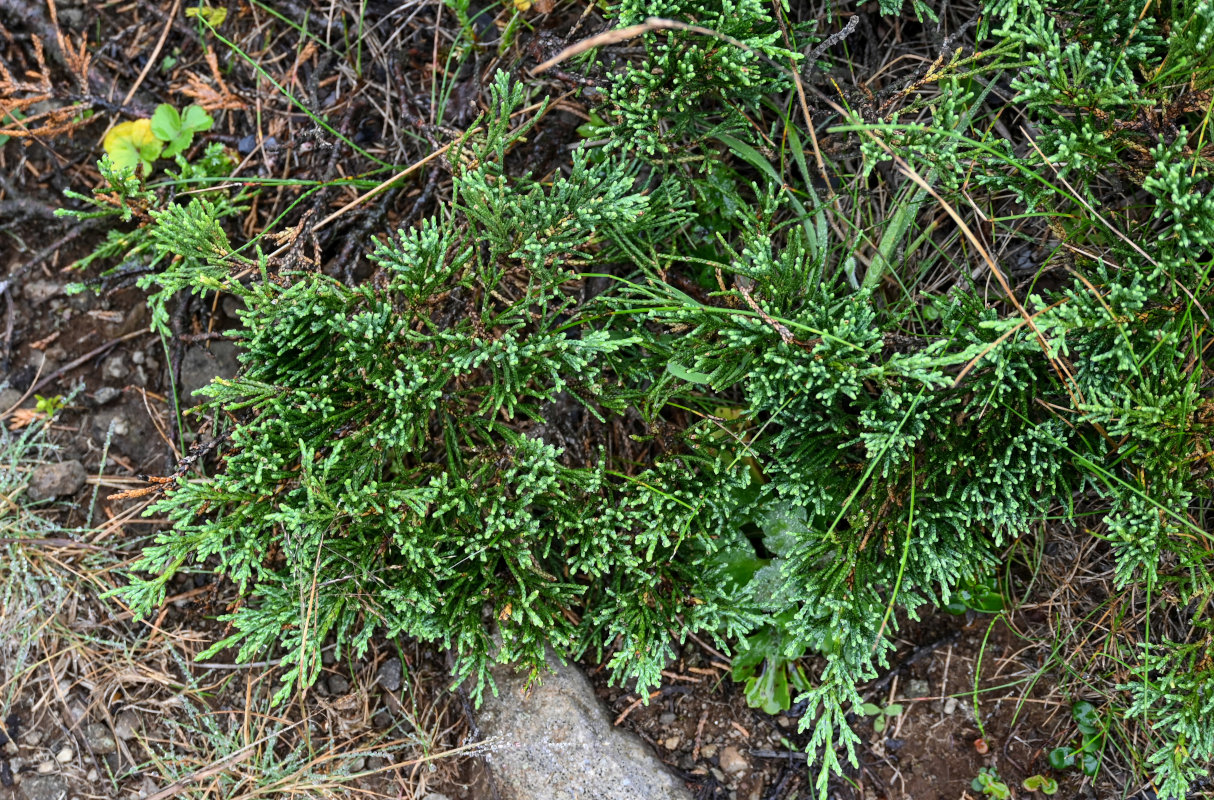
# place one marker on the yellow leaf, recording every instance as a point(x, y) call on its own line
point(522, 5)
point(132, 143)
point(213, 16)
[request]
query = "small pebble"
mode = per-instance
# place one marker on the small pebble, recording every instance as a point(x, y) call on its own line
point(99, 738)
point(65, 755)
point(338, 684)
point(708, 750)
point(46, 767)
point(672, 742)
point(390, 674)
point(950, 705)
point(92, 776)
point(38, 292)
point(667, 719)
point(732, 760)
point(115, 367)
point(55, 480)
point(126, 723)
point(106, 394)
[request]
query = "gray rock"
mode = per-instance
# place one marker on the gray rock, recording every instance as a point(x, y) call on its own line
point(115, 367)
point(72, 20)
point(231, 305)
point(126, 725)
point(43, 361)
point(338, 684)
point(99, 738)
point(43, 787)
point(435, 796)
point(56, 480)
point(390, 674)
point(38, 292)
point(106, 394)
point(667, 719)
point(200, 365)
point(559, 742)
point(103, 421)
point(9, 398)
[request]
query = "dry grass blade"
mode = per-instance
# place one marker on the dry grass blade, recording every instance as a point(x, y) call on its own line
point(631, 32)
point(604, 39)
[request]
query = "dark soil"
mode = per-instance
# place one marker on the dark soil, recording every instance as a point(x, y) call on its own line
point(931, 751)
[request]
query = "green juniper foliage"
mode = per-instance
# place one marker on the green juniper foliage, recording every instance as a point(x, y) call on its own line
point(390, 465)
point(124, 195)
point(382, 479)
point(684, 80)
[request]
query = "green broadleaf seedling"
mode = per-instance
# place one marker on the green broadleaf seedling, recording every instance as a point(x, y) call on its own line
point(177, 130)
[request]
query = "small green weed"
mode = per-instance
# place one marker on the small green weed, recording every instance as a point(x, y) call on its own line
point(1040, 783)
point(177, 130)
point(989, 784)
point(882, 713)
point(138, 143)
point(1087, 754)
point(49, 405)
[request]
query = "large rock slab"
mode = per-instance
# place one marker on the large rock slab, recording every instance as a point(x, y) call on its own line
point(558, 743)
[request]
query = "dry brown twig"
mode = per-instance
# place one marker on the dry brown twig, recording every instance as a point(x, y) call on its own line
point(17, 96)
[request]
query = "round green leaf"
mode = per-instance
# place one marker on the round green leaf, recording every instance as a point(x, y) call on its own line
point(196, 119)
point(166, 123)
point(1062, 758)
point(1086, 717)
